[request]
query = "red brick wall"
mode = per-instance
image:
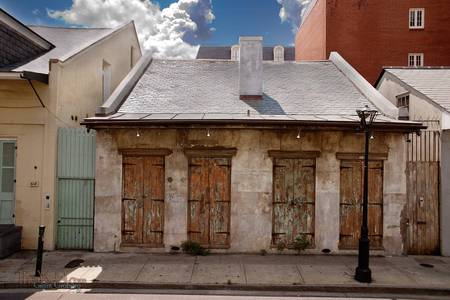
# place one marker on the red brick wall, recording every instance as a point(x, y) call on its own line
point(371, 34)
point(310, 40)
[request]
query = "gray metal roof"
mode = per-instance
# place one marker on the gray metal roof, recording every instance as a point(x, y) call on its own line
point(432, 82)
point(206, 92)
point(67, 41)
point(210, 87)
point(224, 52)
point(16, 48)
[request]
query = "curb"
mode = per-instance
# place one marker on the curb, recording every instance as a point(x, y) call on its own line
point(352, 289)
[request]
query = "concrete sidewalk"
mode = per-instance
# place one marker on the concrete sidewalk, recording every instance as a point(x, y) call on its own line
point(255, 271)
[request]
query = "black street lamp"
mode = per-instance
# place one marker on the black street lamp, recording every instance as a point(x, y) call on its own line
point(363, 273)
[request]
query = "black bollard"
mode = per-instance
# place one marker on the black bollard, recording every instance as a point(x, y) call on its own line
point(40, 251)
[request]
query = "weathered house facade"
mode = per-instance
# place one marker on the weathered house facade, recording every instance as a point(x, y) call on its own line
point(423, 94)
point(241, 156)
point(50, 79)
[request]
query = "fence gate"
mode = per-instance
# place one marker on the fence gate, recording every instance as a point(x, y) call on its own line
point(423, 159)
point(75, 183)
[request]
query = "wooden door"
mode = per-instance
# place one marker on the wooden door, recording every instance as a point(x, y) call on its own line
point(423, 207)
point(293, 199)
point(7, 181)
point(143, 201)
point(351, 194)
point(209, 201)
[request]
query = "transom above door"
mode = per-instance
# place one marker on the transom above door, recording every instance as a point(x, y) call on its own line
point(143, 201)
point(209, 201)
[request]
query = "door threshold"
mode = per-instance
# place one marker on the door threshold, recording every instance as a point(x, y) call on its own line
point(142, 249)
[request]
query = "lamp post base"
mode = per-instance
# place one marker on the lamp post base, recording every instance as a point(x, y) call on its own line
point(363, 275)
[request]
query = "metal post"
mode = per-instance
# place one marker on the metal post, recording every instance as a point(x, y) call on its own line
point(40, 250)
point(363, 273)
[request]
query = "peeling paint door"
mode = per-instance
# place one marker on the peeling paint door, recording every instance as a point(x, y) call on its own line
point(351, 194)
point(7, 180)
point(209, 201)
point(143, 201)
point(293, 200)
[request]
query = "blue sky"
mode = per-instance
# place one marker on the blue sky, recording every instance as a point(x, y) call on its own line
point(172, 28)
point(232, 18)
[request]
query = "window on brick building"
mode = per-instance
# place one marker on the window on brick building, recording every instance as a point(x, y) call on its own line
point(417, 18)
point(415, 59)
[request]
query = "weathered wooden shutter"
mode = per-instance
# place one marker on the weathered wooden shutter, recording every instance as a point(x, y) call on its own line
point(293, 199)
point(153, 201)
point(219, 183)
point(199, 201)
point(143, 201)
point(351, 193)
point(132, 201)
point(209, 201)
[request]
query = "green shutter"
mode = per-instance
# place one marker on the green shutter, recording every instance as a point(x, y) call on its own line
point(7, 181)
point(76, 172)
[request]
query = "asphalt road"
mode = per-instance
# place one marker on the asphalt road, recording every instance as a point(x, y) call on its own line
point(191, 295)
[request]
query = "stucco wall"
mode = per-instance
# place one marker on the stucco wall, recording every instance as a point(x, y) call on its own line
point(420, 107)
point(80, 81)
point(251, 180)
point(74, 89)
point(23, 119)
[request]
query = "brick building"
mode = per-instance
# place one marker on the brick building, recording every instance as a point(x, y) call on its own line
point(371, 34)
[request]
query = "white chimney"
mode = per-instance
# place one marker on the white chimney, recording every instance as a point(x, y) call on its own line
point(250, 68)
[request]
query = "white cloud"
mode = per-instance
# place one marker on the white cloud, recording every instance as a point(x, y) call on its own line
point(291, 11)
point(172, 32)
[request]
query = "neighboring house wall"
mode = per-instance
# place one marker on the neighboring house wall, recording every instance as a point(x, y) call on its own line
point(251, 183)
point(421, 108)
point(73, 93)
point(23, 119)
point(310, 41)
point(80, 80)
point(375, 33)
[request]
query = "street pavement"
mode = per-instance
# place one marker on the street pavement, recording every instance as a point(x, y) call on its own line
point(116, 270)
point(151, 295)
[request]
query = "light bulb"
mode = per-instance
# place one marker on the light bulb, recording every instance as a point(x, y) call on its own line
point(298, 134)
point(208, 134)
point(137, 133)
